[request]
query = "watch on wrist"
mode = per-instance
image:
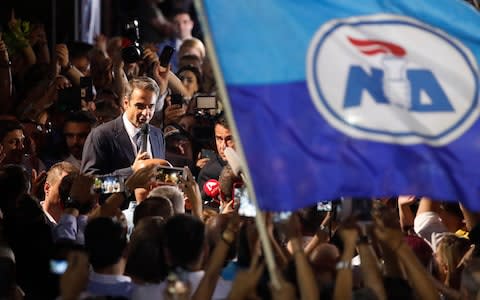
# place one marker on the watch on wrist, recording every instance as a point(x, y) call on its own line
point(343, 264)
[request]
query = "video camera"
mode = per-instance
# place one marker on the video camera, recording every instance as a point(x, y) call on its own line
point(132, 51)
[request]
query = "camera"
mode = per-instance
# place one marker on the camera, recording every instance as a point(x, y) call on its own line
point(133, 52)
point(206, 106)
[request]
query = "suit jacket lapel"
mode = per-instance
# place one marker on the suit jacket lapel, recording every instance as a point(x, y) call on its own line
point(123, 140)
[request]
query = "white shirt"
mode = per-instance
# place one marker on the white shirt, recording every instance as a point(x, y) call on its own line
point(132, 131)
point(156, 291)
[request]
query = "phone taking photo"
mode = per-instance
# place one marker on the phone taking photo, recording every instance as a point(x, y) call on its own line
point(207, 153)
point(169, 175)
point(58, 266)
point(246, 207)
point(108, 184)
point(324, 206)
point(166, 56)
point(281, 217)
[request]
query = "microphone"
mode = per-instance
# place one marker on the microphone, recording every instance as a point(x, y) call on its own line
point(212, 188)
point(144, 129)
point(233, 160)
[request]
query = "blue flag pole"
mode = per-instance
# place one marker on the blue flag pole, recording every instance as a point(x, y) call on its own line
point(259, 218)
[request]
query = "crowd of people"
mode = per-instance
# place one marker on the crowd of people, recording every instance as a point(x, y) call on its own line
point(114, 183)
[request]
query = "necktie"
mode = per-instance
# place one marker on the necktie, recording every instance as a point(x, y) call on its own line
point(139, 141)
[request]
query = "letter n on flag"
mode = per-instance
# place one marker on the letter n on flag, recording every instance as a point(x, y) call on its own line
point(352, 98)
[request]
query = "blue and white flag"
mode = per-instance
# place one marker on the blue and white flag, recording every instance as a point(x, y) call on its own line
point(353, 98)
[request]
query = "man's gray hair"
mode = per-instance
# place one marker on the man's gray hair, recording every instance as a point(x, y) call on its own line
point(143, 83)
point(173, 194)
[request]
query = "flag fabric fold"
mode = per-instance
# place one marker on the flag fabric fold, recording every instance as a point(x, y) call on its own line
point(352, 98)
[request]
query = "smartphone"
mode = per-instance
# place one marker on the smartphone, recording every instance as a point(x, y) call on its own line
point(86, 88)
point(109, 184)
point(281, 217)
point(207, 153)
point(169, 175)
point(166, 56)
point(324, 206)
point(246, 207)
point(176, 99)
point(58, 266)
point(360, 208)
point(206, 102)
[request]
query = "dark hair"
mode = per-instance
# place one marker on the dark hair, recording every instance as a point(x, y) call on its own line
point(221, 120)
point(9, 125)
point(196, 71)
point(14, 182)
point(184, 239)
point(105, 241)
point(153, 206)
point(145, 252)
point(79, 49)
point(81, 117)
point(180, 11)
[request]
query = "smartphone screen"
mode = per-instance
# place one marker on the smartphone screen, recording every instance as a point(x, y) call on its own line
point(206, 102)
point(86, 88)
point(169, 175)
point(108, 184)
point(324, 206)
point(166, 55)
point(58, 266)
point(176, 99)
point(246, 208)
point(281, 217)
point(207, 153)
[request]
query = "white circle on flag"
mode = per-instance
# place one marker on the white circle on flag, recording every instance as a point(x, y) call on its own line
point(392, 79)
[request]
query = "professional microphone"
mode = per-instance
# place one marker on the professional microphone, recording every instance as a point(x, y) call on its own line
point(212, 188)
point(145, 130)
point(233, 160)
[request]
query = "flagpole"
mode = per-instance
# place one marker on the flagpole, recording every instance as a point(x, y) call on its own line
point(259, 219)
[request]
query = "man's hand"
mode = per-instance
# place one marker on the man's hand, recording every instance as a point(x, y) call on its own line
point(38, 36)
point(406, 200)
point(62, 82)
point(62, 55)
point(110, 209)
point(139, 161)
point(142, 178)
point(202, 162)
point(37, 181)
point(192, 191)
point(173, 113)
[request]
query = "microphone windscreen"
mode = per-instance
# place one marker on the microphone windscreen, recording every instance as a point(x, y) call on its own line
point(233, 160)
point(212, 188)
point(145, 129)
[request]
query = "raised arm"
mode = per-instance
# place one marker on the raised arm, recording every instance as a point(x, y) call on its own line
point(419, 278)
point(305, 277)
point(207, 285)
point(344, 280)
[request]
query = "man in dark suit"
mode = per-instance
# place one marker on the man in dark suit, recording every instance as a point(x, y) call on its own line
point(112, 148)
